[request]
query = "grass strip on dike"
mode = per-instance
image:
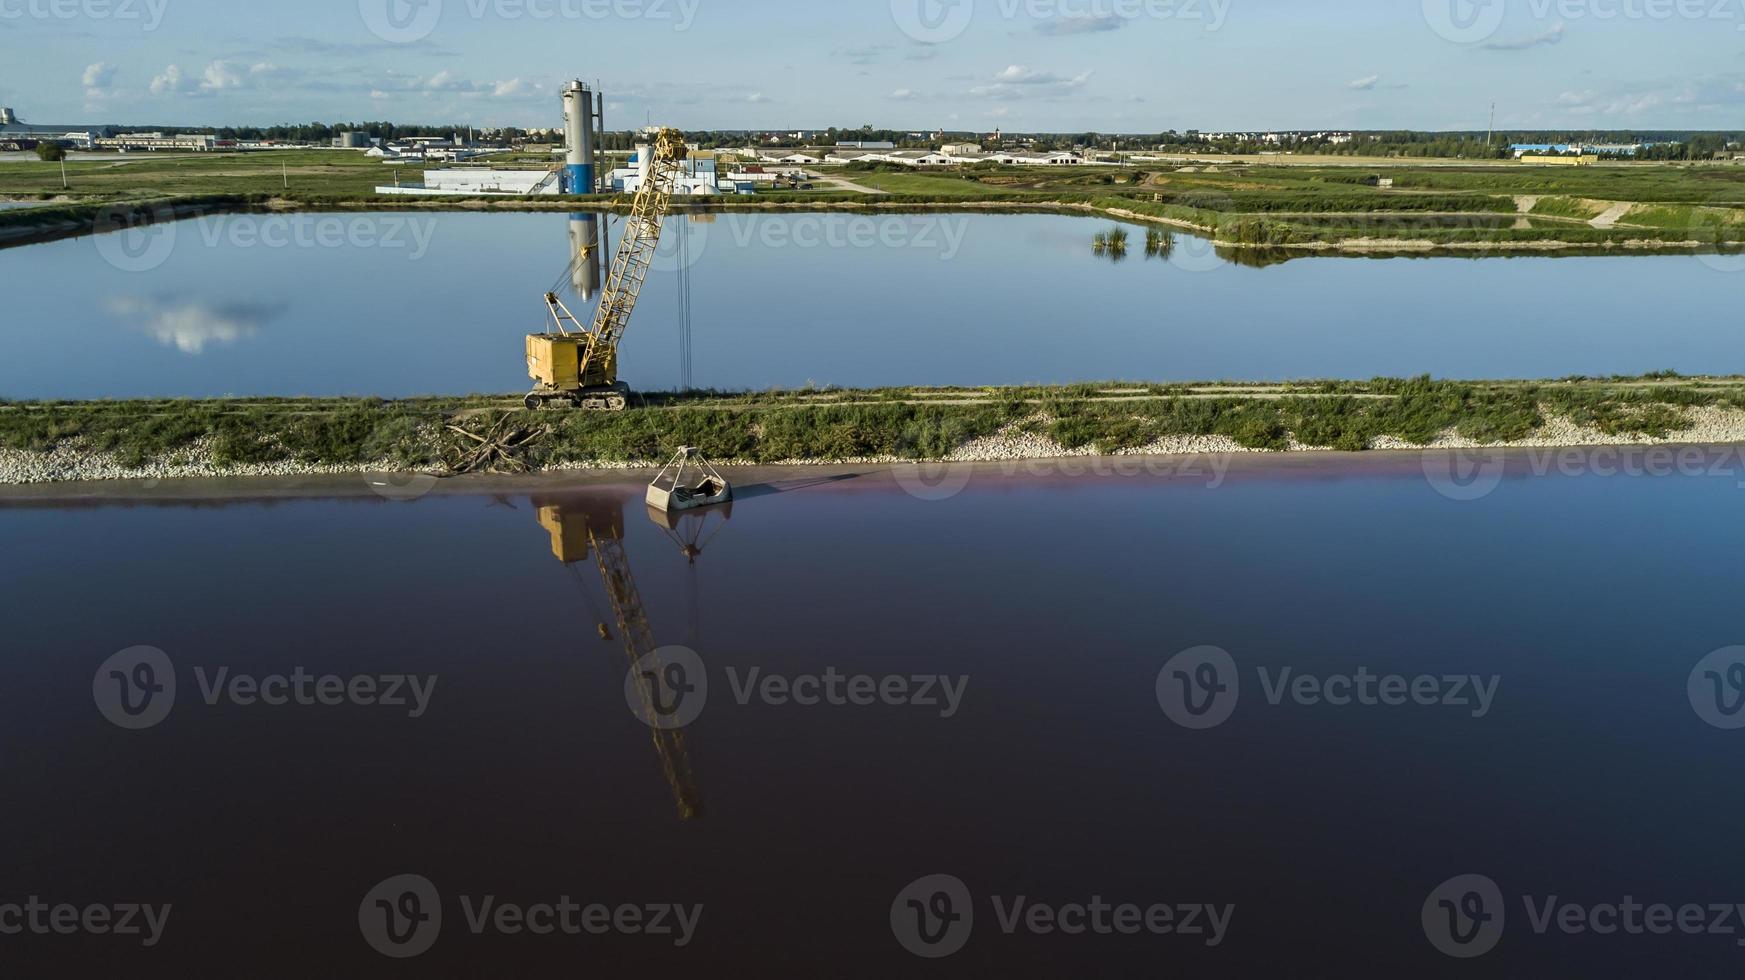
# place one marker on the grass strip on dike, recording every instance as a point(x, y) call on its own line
point(838, 425)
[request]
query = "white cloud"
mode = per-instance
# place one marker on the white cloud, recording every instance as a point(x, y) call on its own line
point(1022, 82)
point(904, 95)
point(222, 75)
point(1365, 83)
point(99, 83)
point(190, 327)
point(1088, 24)
point(99, 75)
point(170, 82)
point(757, 98)
point(1709, 94)
point(1552, 36)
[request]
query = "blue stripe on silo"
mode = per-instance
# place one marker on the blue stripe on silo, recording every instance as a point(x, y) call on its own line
point(578, 179)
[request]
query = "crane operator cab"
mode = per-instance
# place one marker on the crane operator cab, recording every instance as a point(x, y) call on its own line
point(573, 366)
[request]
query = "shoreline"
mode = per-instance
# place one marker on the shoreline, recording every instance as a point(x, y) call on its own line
point(46, 443)
point(1206, 470)
point(71, 219)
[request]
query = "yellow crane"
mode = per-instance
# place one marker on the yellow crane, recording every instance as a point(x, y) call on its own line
point(579, 530)
point(580, 364)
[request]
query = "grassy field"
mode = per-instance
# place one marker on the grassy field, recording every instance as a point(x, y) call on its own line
point(1242, 205)
point(907, 423)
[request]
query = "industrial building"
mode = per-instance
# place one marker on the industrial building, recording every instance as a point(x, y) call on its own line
point(151, 142)
point(584, 116)
point(699, 174)
point(79, 137)
point(939, 158)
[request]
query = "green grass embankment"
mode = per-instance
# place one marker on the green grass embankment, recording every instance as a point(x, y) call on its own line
point(773, 427)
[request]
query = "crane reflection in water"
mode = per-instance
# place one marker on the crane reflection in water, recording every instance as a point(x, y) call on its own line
point(590, 530)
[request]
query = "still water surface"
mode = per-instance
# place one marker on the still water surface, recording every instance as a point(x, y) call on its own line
point(1059, 778)
point(416, 304)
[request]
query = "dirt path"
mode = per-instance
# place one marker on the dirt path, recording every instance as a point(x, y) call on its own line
point(1612, 214)
point(842, 183)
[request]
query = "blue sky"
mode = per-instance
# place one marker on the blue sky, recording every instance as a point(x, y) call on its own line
point(1108, 65)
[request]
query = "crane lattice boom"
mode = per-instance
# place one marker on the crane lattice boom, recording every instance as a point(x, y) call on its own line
point(636, 250)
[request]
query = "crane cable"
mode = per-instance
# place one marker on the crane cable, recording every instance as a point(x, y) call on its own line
point(683, 237)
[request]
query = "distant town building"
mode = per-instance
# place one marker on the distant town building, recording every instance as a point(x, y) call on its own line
point(157, 141)
point(14, 128)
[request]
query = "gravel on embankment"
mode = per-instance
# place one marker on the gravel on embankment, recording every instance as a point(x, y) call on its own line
point(73, 462)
